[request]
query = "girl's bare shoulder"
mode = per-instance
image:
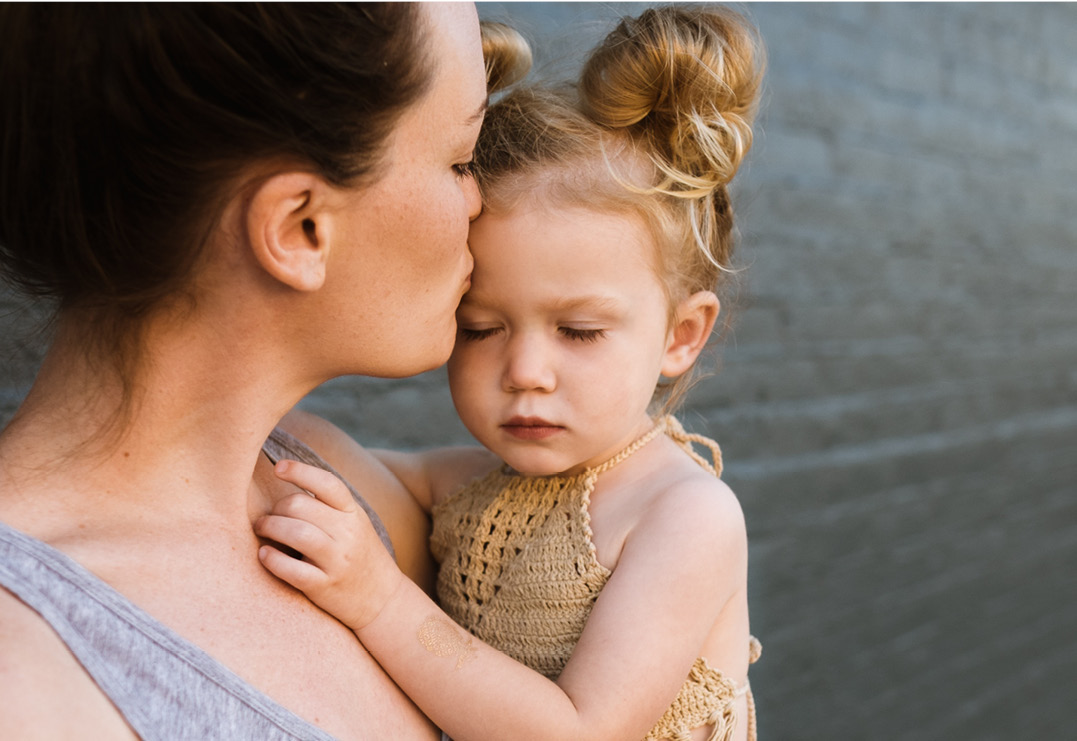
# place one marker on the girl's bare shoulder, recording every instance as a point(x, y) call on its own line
point(691, 506)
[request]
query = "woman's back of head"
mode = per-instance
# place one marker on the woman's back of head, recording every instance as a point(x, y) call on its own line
point(125, 129)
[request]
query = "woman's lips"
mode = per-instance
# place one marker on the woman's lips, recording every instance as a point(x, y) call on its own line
point(531, 428)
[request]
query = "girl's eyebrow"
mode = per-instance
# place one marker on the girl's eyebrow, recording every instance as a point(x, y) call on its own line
point(592, 303)
point(479, 113)
point(603, 304)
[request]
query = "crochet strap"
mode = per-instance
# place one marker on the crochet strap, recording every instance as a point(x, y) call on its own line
point(654, 432)
point(673, 428)
point(685, 440)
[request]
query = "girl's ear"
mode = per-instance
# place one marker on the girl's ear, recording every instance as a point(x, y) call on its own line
point(693, 322)
point(289, 228)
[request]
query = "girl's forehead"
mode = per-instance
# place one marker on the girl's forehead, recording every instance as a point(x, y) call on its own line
point(552, 257)
point(575, 243)
point(609, 176)
point(554, 224)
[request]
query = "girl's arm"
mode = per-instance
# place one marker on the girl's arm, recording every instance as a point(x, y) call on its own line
point(679, 568)
point(431, 475)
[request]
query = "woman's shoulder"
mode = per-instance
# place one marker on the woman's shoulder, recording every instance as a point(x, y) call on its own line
point(44, 692)
point(354, 462)
point(322, 436)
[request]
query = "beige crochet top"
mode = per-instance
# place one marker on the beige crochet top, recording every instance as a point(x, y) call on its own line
point(518, 570)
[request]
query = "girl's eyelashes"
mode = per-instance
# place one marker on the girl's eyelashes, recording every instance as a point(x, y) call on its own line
point(474, 335)
point(468, 334)
point(464, 169)
point(582, 335)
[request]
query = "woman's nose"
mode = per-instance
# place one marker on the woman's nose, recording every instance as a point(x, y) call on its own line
point(529, 366)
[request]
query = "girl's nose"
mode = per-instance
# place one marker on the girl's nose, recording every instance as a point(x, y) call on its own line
point(473, 198)
point(529, 366)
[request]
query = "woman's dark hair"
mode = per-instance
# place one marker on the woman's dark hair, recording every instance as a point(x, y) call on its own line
point(123, 127)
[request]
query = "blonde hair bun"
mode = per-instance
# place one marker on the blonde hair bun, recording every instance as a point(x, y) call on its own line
point(683, 83)
point(507, 55)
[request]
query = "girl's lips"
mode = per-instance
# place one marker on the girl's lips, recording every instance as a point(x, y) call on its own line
point(531, 428)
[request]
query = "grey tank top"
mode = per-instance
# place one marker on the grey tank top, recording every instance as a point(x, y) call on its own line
point(164, 686)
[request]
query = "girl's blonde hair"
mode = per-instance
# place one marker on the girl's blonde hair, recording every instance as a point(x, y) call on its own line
point(657, 126)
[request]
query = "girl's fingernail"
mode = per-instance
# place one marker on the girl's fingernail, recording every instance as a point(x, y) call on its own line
point(282, 466)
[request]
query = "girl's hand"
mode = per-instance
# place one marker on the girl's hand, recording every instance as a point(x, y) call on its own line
point(345, 569)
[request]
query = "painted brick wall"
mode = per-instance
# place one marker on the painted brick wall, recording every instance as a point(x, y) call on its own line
point(898, 402)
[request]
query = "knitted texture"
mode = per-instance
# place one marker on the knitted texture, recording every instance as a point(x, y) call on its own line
point(518, 569)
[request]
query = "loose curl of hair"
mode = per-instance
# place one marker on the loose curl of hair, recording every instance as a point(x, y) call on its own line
point(656, 128)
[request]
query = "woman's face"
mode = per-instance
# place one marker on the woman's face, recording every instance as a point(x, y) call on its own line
point(400, 278)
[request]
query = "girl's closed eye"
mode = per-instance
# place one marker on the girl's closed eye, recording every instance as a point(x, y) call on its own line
point(582, 335)
point(469, 334)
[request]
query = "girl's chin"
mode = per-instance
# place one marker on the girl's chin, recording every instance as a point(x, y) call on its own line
point(540, 470)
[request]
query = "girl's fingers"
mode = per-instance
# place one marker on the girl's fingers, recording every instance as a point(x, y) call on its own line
point(307, 508)
point(300, 574)
point(325, 486)
point(298, 535)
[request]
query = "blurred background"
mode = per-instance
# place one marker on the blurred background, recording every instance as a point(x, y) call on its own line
point(897, 402)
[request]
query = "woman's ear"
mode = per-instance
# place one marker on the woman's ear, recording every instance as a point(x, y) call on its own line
point(693, 322)
point(289, 228)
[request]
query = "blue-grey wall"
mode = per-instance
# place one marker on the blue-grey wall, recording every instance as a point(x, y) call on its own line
point(898, 402)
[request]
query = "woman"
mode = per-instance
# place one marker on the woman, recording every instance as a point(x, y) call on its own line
point(231, 205)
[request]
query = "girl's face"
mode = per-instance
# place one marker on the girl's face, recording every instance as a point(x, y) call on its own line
point(561, 339)
point(400, 281)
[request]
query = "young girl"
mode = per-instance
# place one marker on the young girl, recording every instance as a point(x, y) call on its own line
point(597, 562)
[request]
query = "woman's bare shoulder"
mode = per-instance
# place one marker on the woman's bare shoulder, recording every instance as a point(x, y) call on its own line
point(358, 465)
point(323, 437)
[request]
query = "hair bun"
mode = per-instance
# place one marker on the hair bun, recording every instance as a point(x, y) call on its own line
point(507, 55)
point(686, 85)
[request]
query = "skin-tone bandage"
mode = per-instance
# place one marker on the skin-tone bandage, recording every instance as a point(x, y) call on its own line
point(444, 638)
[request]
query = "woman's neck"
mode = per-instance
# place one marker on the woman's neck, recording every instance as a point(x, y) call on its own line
point(186, 434)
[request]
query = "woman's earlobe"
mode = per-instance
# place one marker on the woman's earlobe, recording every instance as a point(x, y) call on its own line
point(287, 229)
point(694, 321)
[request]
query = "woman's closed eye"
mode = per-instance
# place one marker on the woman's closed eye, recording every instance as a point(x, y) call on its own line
point(582, 335)
point(464, 169)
